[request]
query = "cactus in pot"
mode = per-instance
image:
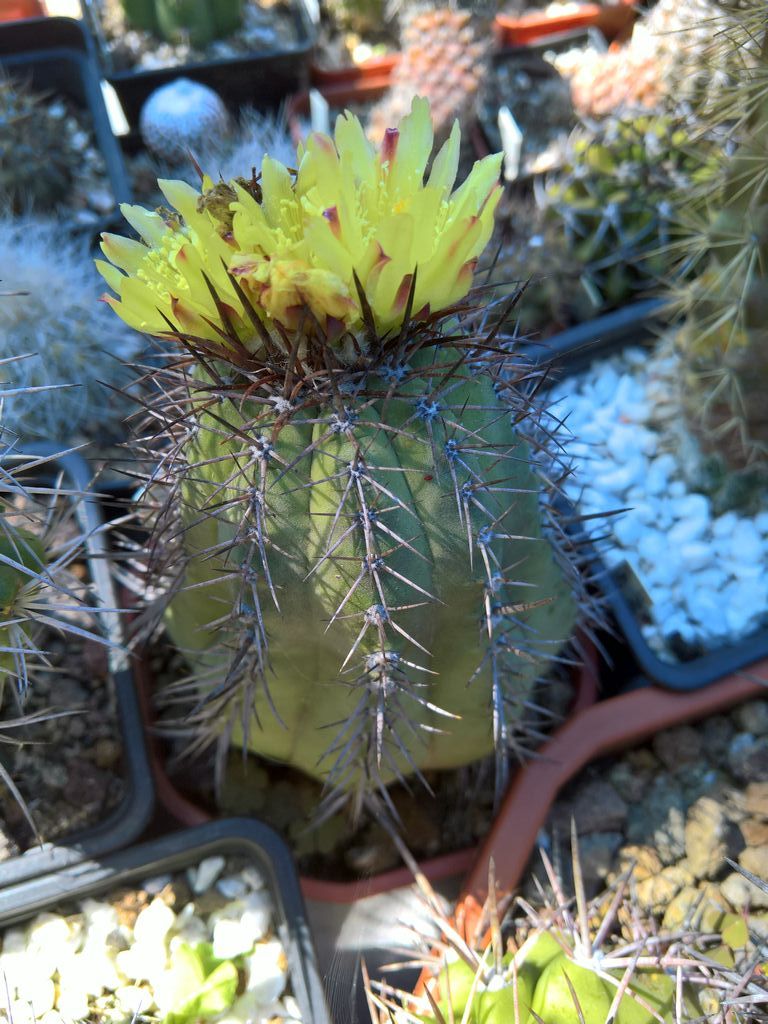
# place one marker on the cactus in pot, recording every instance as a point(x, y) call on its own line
point(722, 343)
point(369, 574)
point(612, 199)
point(560, 960)
point(199, 21)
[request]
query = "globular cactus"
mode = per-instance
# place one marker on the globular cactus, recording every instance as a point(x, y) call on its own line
point(71, 343)
point(594, 962)
point(179, 117)
point(199, 21)
point(612, 200)
point(445, 58)
point(38, 164)
point(723, 341)
point(369, 575)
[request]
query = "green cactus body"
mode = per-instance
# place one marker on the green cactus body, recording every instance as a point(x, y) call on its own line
point(723, 341)
point(37, 164)
point(200, 21)
point(613, 200)
point(373, 614)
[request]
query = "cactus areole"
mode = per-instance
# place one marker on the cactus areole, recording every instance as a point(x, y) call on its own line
point(365, 582)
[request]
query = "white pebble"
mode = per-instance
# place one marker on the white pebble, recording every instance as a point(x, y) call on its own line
point(747, 546)
point(253, 876)
point(267, 971)
point(156, 885)
point(153, 922)
point(144, 961)
point(231, 938)
point(695, 555)
point(629, 530)
point(134, 1000)
point(232, 888)
point(202, 878)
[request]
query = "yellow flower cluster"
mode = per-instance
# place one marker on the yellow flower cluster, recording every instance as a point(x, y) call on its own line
point(294, 241)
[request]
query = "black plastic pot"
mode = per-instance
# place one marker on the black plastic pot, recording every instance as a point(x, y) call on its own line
point(128, 820)
point(262, 80)
point(55, 55)
point(566, 354)
point(234, 836)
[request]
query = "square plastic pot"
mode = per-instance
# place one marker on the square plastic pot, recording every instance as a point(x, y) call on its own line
point(262, 79)
point(174, 852)
point(566, 354)
point(55, 55)
point(127, 821)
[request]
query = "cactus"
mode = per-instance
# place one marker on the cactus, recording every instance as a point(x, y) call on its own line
point(38, 163)
point(445, 58)
point(722, 340)
point(199, 21)
point(41, 540)
point(613, 200)
point(71, 342)
point(597, 962)
point(368, 549)
point(179, 117)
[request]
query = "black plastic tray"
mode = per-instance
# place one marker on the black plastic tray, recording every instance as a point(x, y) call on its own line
point(239, 836)
point(128, 820)
point(56, 55)
point(262, 80)
point(567, 353)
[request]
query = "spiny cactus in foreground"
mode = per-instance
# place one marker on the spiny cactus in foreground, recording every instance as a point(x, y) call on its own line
point(37, 161)
point(362, 562)
point(572, 961)
point(723, 341)
point(73, 349)
point(199, 21)
point(43, 533)
point(613, 199)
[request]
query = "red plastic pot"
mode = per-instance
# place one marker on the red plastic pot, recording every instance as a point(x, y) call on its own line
point(16, 10)
point(614, 21)
point(373, 69)
point(451, 865)
point(608, 727)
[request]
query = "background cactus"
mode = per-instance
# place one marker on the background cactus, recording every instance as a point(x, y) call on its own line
point(179, 117)
point(37, 162)
point(73, 347)
point(369, 550)
point(613, 199)
point(445, 58)
point(198, 21)
point(596, 961)
point(722, 343)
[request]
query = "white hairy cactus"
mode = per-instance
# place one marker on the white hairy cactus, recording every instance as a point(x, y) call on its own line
point(73, 342)
point(179, 117)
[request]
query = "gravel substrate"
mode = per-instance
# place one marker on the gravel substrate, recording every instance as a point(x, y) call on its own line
point(699, 573)
point(186, 947)
point(676, 808)
point(69, 770)
point(267, 26)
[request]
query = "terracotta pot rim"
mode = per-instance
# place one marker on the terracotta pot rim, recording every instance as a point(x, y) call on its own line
point(453, 864)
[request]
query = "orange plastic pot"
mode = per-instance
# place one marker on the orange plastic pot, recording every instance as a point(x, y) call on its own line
point(338, 95)
point(16, 10)
point(614, 21)
point(373, 69)
point(450, 865)
point(608, 727)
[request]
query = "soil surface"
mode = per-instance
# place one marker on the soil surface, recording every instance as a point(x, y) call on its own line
point(454, 818)
point(676, 808)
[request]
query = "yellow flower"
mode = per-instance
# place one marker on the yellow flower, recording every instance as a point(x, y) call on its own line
point(289, 242)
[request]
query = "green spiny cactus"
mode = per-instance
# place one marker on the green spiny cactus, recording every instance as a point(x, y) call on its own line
point(367, 551)
point(596, 962)
point(723, 341)
point(613, 200)
point(199, 21)
point(37, 162)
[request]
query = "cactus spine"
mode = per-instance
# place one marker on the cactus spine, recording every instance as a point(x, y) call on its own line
point(723, 342)
point(366, 553)
point(199, 21)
